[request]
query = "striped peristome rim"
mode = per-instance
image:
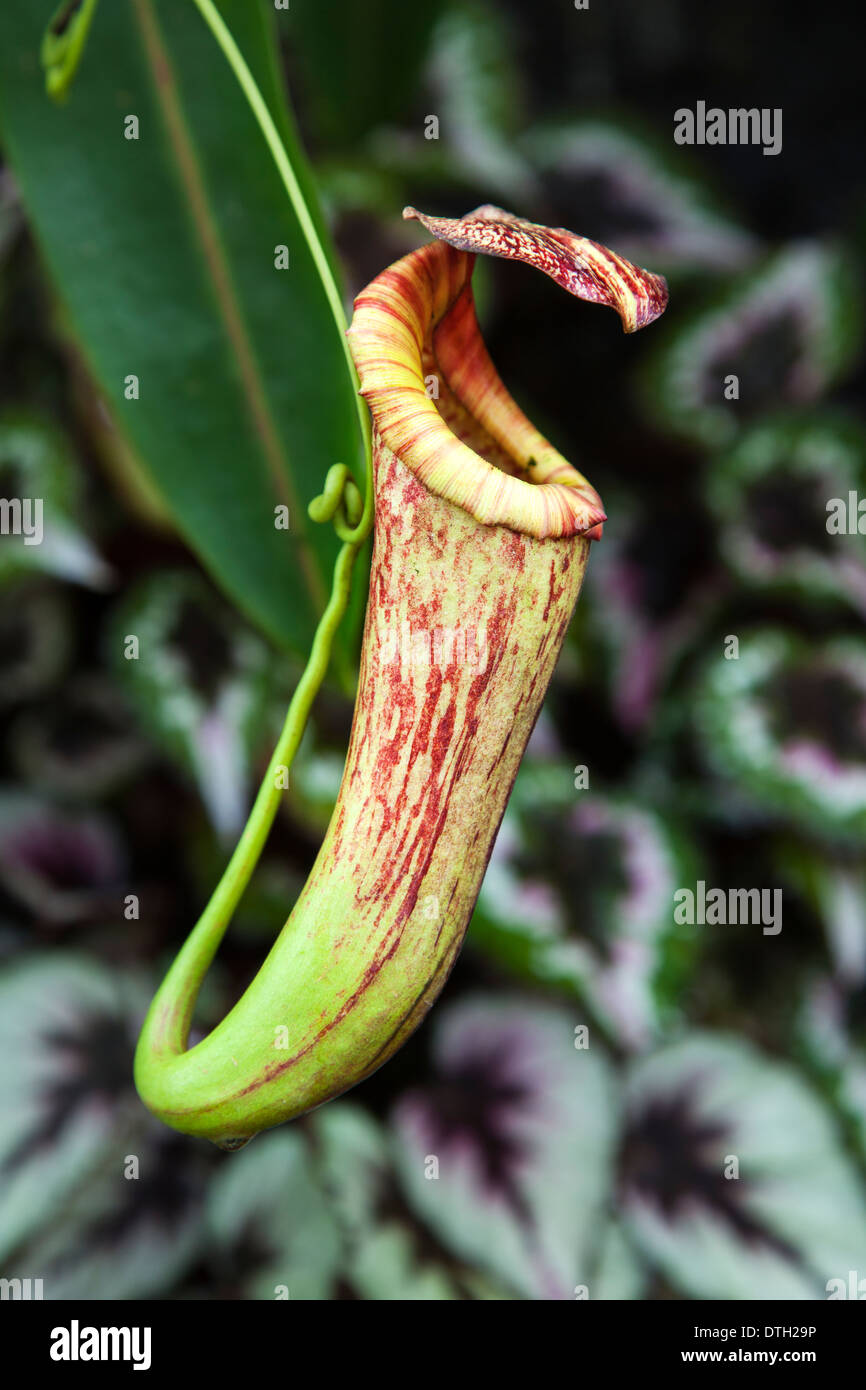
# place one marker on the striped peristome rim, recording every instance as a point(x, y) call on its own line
point(424, 303)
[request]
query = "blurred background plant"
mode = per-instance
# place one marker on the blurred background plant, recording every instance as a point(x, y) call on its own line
point(572, 1119)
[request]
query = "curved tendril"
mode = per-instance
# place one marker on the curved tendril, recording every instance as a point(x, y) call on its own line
point(341, 502)
point(180, 988)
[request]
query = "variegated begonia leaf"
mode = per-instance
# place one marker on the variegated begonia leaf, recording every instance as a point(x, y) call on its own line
point(831, 1019)
point(633, 193)
point(831, 1034)
point(67, 1105)
point(352, 1163)
point(133, 1229)
point(783, 499)
point(733, 1176)
point(78, 743)
point(785, 724)
point(834, 885)
point(478, 98)
point(645, 607)
point(61, 865)
point(621, 1274)
point(777, 337)
point(40, 496)
point(387, 1254)
point(579, 894)
point(506, 1151)
point(272, 1220)
point(35, 641)
point(201, 682)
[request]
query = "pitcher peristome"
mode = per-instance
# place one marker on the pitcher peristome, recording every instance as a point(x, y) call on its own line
point(482, 533)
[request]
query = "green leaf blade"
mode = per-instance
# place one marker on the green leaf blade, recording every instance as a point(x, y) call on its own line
point(164, 251)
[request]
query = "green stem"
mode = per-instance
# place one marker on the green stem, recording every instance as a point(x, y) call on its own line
point(180, 987)
point(340, 503)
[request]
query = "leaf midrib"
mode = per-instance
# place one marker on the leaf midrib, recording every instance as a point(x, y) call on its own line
point(166, 94)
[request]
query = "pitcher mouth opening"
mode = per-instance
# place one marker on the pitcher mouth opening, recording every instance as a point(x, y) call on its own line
point(438, 403)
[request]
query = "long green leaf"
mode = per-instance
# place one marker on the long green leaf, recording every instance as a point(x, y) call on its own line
point(163, 248)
